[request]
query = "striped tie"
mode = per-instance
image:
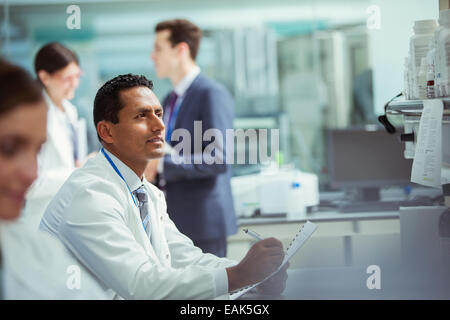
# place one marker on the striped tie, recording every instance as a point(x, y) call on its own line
point(142, 196)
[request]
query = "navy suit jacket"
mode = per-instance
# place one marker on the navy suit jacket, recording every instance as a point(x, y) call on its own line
point(199, 198)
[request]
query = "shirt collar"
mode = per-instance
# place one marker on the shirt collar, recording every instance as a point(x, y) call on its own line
point(186, 82)
point(51, 104)
point(130, 177)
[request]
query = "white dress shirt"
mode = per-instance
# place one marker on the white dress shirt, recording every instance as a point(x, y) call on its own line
point(96, 218)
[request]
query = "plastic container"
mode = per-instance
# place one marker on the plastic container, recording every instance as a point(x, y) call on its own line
point(422, 80)
point(410, 79)
point(406, 79)
point(296, 205)
point(423, 33)
point(441, 66)
point(430, 70)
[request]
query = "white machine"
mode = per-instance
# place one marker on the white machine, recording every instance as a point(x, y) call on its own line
point(276, 192)
point(425, 231)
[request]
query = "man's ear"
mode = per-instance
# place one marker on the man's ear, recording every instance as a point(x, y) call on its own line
point(183, 48)
point(105, 131)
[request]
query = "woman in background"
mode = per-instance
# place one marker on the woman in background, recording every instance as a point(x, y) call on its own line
point(57, 68)
point(32, 264)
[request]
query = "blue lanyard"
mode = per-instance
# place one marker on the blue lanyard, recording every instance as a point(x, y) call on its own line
point(120, 175)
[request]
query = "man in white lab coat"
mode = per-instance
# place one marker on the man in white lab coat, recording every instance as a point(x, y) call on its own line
point(116, 224)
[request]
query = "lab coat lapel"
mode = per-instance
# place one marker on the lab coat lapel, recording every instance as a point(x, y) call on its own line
point(54, 127)
point(139, 232)
point(134, 216)
point(159, 242)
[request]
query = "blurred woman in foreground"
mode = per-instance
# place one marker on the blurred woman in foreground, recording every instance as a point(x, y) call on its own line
point(32, 264)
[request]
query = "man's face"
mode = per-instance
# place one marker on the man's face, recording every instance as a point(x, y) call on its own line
point(165, 57)
point(139, 134)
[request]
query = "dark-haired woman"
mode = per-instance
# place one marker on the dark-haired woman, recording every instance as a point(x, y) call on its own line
point(57, 68)
point(33, 265)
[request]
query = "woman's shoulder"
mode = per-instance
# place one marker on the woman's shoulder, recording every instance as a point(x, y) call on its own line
point(42, 266)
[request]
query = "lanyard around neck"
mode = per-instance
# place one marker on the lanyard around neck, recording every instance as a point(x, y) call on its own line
point(118, 172)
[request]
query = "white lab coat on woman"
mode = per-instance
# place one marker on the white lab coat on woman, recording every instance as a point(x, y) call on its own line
point(55, 160)
point(37, 266)
point(96, 218)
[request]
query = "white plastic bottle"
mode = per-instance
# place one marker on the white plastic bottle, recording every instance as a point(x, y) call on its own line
point(444, 22)
point(406, 79)
point(410, 79)
point(422, 80)
point(443, 45)
point(296, 203)
point(431, 70)
point(423, 33)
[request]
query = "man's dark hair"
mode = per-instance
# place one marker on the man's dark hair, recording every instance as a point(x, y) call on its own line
point(107, 103)
point(182, 30)
point(17, 87)
point(53, 57)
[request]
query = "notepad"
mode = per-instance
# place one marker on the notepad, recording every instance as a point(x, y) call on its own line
point(300, 238)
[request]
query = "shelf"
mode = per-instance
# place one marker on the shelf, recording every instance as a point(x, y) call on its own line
point(412, 107)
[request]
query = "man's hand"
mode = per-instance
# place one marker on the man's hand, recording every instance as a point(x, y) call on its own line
point(151, 170)
point(263, 258)
point(276, 284)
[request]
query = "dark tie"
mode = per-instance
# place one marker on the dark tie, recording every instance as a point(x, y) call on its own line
point(172, 100)
point(142, 196)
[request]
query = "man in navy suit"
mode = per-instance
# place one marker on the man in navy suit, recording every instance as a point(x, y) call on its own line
point(199, 198)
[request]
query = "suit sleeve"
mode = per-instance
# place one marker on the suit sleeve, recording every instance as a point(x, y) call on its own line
point(216, 113)
point(96, 232)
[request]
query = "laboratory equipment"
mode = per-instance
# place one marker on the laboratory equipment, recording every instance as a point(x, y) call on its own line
point(275, 192)
point(363, 160)
point(424, 231)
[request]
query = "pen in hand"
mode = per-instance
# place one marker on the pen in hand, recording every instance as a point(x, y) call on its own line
point(252, 234)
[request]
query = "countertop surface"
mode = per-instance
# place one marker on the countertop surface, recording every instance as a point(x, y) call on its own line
point(320, 216)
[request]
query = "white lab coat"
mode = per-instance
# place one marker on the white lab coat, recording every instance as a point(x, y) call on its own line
point(37, 266)
point(95, 217)
point(55, 161)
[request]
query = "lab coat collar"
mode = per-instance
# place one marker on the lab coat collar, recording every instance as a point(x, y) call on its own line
point(52, 105)
point(131, 178)
point(185, 83)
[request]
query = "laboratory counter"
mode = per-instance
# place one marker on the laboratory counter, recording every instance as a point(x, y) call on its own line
point(320, 216)
point(341, 239)
point(355, 283)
